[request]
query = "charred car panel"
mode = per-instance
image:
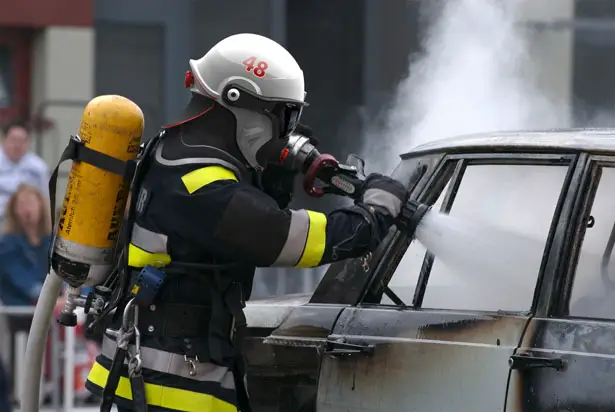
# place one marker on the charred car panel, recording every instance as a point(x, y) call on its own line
point(417, 354)
point(573, 371)
point(283, 351)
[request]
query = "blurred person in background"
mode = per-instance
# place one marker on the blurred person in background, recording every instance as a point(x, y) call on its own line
point(18, 164)
point(24, 250)
point(23, 259)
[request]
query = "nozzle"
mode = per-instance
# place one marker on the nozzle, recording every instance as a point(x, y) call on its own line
point(411, 215)
point(358, 163)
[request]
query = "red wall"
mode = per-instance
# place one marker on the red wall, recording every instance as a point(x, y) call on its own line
point(19, 20)
point(41, 13)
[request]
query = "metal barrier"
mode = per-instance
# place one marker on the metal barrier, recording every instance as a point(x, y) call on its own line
point(18, 345)
point(59, 386)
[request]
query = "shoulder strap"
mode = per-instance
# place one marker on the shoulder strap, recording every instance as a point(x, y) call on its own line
point(77, 151)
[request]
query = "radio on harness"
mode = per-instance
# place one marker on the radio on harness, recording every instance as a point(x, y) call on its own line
point(146, 285)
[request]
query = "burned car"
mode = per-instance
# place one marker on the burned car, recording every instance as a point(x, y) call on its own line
point(400, 329)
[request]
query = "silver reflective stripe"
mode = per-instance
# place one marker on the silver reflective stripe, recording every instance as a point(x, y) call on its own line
point(295, 242)
point(197, 160)
point(147, 240)
point(379, 197)
point(175, 364)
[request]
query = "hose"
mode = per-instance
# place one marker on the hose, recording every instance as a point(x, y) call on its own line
point(37, 340)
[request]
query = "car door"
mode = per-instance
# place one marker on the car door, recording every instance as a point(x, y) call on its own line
point(569, 347)
point(451, 318)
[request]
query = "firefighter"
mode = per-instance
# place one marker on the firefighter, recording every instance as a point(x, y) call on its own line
point(210, 208)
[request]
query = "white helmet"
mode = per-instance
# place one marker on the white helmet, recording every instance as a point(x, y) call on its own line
point(259, 81)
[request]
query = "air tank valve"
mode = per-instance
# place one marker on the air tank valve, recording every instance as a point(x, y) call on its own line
point(68, 317)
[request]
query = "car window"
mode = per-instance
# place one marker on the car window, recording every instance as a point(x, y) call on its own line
point(593, 289)
point(488, 249)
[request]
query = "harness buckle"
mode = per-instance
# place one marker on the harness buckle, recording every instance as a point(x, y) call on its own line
point(134, 366)
point(192, 364)
point(135, 362)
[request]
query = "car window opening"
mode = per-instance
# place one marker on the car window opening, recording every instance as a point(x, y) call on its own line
point(593, 286)
point(486, 250)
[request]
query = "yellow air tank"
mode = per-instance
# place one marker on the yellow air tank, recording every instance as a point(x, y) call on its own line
point(95, 198)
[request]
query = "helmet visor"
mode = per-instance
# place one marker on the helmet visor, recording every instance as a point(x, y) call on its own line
point(288, 116)
point(284, 114)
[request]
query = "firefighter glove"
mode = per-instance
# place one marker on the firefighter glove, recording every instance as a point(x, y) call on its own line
point(383, 193)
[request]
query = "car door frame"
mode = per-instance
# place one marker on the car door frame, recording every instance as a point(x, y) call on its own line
point(383, 273)
point(576, 353)
point(395, 249)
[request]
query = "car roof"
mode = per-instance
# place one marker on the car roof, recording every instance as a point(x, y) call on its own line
point(558, 140)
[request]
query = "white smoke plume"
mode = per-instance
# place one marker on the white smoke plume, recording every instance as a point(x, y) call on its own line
point(480, 73)
point(476, 74)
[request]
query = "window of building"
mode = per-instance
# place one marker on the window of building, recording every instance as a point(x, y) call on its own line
point(6, 77)
point(15, 73)
point(593, 290)
point(486, 252)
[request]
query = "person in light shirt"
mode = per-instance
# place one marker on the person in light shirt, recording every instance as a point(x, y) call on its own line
point(19, 165)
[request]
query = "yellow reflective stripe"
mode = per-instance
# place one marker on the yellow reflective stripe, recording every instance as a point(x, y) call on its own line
point(163, 396)
point(316, 239)
point(206, 175)
point(139, 258)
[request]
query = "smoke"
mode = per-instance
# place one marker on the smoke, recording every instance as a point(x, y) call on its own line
point(476, 74)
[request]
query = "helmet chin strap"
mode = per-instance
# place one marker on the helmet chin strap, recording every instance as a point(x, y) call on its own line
point(254, 130)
